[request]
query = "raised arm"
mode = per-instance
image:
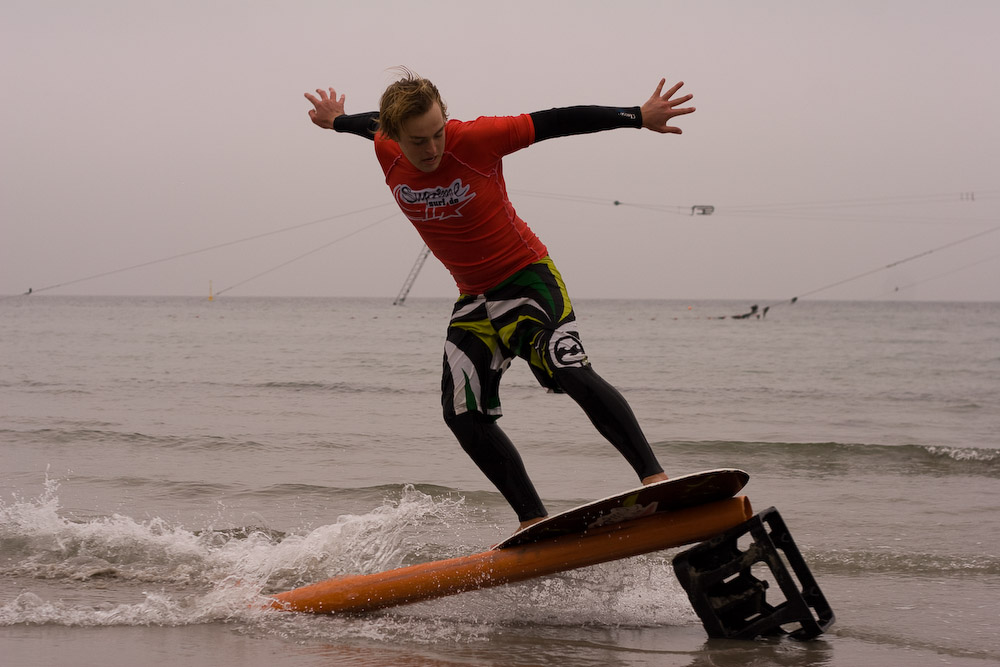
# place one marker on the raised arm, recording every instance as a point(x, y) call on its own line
point(329, 114)
point(567, 121)
point(653, 115)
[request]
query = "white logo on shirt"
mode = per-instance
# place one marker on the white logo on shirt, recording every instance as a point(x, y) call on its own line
point(437, 203)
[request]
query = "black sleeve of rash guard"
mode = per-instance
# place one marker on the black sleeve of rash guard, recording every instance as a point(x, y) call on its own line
point(361, 124)
point(565, 121)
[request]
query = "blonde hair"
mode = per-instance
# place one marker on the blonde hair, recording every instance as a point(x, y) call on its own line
point(410, 96)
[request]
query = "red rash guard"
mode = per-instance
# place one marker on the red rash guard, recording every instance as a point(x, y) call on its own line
point(461, 209)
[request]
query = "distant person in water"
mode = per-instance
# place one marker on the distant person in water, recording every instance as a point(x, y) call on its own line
point(446, 177)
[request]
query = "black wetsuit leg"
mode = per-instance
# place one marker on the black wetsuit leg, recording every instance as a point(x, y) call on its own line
point(490, 448)
point(610, 414)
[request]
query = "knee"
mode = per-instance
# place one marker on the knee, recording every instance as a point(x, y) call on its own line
point(462, 422)
point(467, 427)
point(576, 380)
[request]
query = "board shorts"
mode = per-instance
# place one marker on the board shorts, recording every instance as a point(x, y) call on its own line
point(529, 315)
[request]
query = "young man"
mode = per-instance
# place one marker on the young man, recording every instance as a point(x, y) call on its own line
point(446, 176)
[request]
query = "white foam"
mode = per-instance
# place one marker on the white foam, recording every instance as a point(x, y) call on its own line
point(166, 574)
point(965, 453)
point(40, 545)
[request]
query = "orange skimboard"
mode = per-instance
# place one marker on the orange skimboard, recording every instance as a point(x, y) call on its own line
point(668, 514)
point(673, 494)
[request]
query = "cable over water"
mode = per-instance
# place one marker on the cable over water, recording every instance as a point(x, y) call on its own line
point(217, 246)
point(306, 254)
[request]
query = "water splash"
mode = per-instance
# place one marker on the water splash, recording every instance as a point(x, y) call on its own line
point(229, 570)
point(116, 570)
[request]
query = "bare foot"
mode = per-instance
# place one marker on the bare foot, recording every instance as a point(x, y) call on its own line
point(529, 522)
point(653, 479)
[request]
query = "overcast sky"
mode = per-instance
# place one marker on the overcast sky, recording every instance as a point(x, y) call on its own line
point(833, 139)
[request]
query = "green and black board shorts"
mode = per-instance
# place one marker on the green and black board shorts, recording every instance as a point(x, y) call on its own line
point(529, 315)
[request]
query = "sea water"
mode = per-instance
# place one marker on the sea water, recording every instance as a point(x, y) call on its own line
point(165, 463)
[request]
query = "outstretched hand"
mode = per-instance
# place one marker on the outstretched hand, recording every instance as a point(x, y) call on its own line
point(660, 108)
point(328, 107)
